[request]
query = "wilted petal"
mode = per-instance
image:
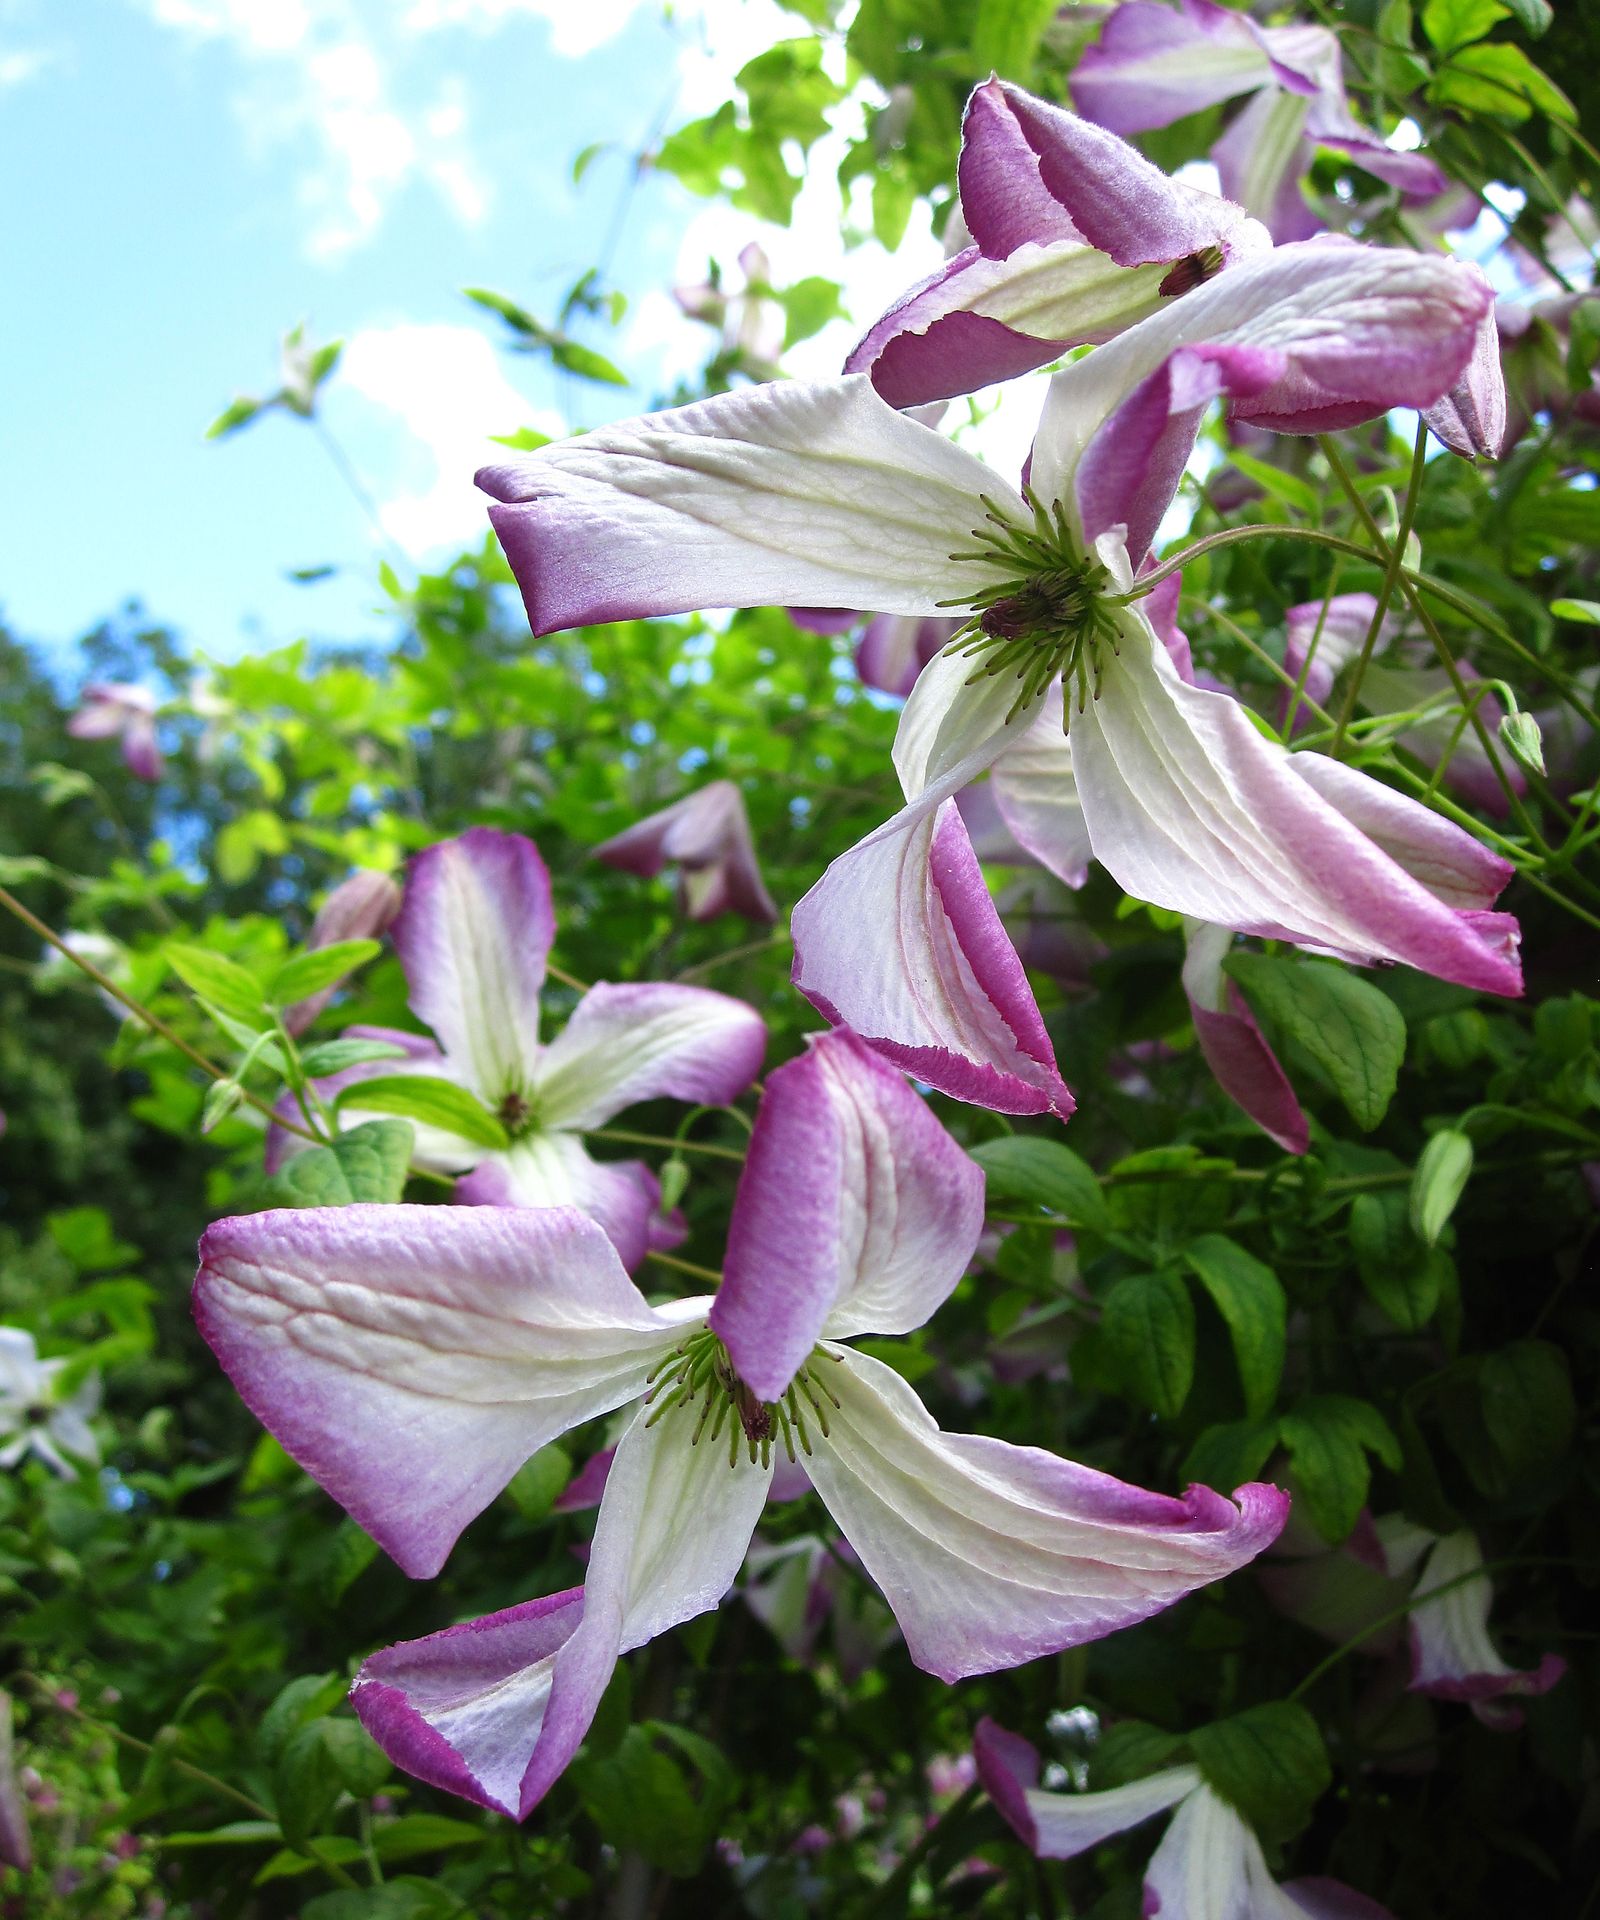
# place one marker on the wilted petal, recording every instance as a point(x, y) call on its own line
point(786, 494)
point(1234, 1046)
point(1154, 64)
point(494, 1710)
point(555, 1170)
point(855, 1211)
point(1059, 1826)
point(1036, 796)
point(1452, 1656)
point(707, 836)
point(1362, 329)
point(992, 1554)
point(411, 1358)
point(472, 935)
point(900, 940)
point(359, 908)
point(643, 1042)
point(1190, 808)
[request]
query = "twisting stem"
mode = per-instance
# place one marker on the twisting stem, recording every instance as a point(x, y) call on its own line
point(153, 1021)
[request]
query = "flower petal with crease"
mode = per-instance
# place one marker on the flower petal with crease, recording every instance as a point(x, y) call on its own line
point(473, 932)
point(412, 1358)
point(992, 1554)
point(1452, 1656)
point(872, 1241)
point(1059, 1826)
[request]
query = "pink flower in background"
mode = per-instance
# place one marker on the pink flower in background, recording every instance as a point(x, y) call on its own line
point(1153, 64)
point(360, 908)
point(1234, 1047)
point(1209, 1864)
point(474, 929)
point(750, 320)
point(411, 1358)
point(707, 838)
point(112, 710)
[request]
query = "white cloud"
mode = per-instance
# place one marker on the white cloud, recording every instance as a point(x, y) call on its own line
point(576, 27)
point(440, 391)
point(21, 64)
point(320, 80)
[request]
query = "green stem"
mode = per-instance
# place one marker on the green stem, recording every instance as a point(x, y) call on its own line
point(1298, 691)
point(1408, 518)
point(687, 1266)
point(661, 1140)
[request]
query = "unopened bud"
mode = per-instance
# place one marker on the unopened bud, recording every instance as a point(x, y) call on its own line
point(674, 1178)
point(1524, 742)
point(1437, 1184)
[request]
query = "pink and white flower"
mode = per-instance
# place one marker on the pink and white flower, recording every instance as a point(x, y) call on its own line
point(114, 710)
point(411, 1358)
point(359, 908)
point(706, 836)
point(473, 932)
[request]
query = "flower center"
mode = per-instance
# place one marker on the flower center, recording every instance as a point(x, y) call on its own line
point(1048, 616)
point(1192, 271)
point(517, 1114)
point(699, 1370)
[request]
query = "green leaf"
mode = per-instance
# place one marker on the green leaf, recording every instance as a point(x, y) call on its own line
point(1499, 80)
point(333, 1056)
point(1529, 1414)
point(1005, 35)
point(1403, 1276)
point(1251, 1300)
point(1329, 1437)
point(305, 1783)
point(418, 1833)
point(221, 981)
point(1148, 1325)
point(808, 307)
point(538, 1483)
point(1046, 1174)
point(1438, 1183)
point(238, 413)
point(1533, 16)
point(407, 1899)
point(437, 1103)
point(1132, 1750)
point(517, 318)
point(1352, 1030)
point(1454, 23)
point(1226, 1456)
point(303, 1700)
point(350, 1552)
point(288, 1864)
point(1269, 1762)
point(638, 1797)
point(237, 1833)
point(1166, 1196)
point(367, 1163)
point(1585, 612)
point(573, 357)
point(361, 1764)
point(309, 973)
point(525, 439)
point(84, 1235)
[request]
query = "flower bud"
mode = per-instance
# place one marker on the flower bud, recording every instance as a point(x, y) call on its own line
point(1524, 742)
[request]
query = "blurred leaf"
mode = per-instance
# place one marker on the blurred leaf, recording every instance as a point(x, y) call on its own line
point(1499, 80)
point(1251, 1301)
point(1352, 1030)
point(1453, 23)
point(436, 1103)
point(1440, 1179)
point(1046, 1174)
point(221, 981)
point(1148, 1325)
point(1006, 34)
point(309, 973)
point(369, 1162)
point(1329, 1437)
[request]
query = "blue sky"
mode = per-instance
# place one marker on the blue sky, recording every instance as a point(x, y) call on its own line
point(189, 177)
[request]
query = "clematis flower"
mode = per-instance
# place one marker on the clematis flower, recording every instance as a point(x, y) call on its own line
point(1075, 236)
point(750, 320)
point(34, 1417)
point(1154, 64)
point(359, 908)
point(112, 710)
point(758, 498)
point(1209, 1865)
point(707, 838)
point(411, 1358)
point(473, 932)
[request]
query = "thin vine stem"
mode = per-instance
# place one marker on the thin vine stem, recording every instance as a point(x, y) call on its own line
point(662, 1140)
point(1391, 578)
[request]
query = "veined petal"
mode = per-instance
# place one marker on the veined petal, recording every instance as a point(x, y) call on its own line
point(1037, 798)
point(643, 1041)
point(1471, 418)
point(555, 1170)
point(992, 1554)
point(411, 1358)
point(1362, 329)
point(1452, 1656)
point(856, 1211)
point(1154, 64)
point(787, 494)
point(1209, 1866)
point(473, 932)
point(495, 1709)
point(1131, 468)
point(1234, 1046)
point(1059, 1826)
point(901, 941)
point(1189, 807)
point(954, 727)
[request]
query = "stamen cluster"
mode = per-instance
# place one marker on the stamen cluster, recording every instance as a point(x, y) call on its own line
point(699, 1369)
point(1048, 616)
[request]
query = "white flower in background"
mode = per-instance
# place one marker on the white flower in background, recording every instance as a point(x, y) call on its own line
point(34, 1417)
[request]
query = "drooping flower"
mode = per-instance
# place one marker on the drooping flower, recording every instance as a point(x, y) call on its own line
point(706, 836)
point(359, 908)
point(1209, 1865)
point(759, 498)
point(412, 1358)
point(1231, 1040)
point(1154, 64)
point(473, 932)
point(1074, 236)
point(35, 1417)
point(113, 710)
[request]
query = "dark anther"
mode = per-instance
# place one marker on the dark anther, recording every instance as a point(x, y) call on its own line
point(1193, 271)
